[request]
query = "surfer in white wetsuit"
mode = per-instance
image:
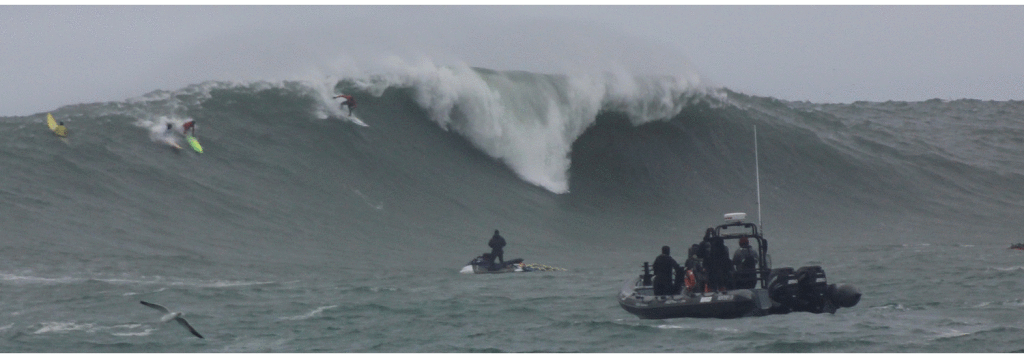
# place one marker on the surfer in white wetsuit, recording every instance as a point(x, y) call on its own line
point(168, 136)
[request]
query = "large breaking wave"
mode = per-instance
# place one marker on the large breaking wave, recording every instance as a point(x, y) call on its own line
point(453, 151)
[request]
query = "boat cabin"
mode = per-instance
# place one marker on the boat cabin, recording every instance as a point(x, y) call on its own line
point(735, 229)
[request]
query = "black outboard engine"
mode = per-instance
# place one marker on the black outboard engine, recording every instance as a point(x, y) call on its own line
point(813, 290)
point(783, 287)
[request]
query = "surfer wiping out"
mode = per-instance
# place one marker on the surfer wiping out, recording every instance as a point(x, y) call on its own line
point(168, 315)
point(168, 137)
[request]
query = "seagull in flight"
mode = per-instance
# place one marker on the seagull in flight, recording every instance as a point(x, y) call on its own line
point(168, 315)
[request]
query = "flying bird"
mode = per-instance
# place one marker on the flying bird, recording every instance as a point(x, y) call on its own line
point(168, 315)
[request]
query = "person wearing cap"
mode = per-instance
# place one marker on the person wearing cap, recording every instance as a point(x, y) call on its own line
point(746, 264)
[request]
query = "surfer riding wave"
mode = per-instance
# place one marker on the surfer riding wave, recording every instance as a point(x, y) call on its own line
point(347, 100)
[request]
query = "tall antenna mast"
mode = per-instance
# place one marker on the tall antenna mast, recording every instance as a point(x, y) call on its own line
point(757, 177)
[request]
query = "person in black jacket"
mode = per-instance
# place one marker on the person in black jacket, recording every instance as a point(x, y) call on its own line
point(745, 261)
point(695, 265)
point(664, 265)
point(719, 265)
point(497, 245)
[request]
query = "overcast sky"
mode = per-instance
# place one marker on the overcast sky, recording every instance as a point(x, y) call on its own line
point(52, 56)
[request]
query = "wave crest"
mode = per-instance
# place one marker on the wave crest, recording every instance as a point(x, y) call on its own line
point(527, 120)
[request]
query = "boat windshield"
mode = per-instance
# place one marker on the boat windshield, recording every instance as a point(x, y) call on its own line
point(737, 229)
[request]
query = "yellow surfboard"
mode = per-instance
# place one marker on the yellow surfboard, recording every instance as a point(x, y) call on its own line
point(194, 143)
point(50, 122)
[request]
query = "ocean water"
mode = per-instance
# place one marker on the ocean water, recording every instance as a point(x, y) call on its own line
point(299, 231)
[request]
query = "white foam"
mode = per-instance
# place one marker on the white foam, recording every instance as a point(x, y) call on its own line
point(14, 278)
point(528, 121)
point(145, 332)
point(309, 315)
point(1011, 268)
point(58, 327)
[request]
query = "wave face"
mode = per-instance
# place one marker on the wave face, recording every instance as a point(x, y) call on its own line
point(457, 148)
point(582, 172)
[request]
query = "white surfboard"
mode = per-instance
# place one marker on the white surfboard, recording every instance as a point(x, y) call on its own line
point(172, 143)
point(355, 120)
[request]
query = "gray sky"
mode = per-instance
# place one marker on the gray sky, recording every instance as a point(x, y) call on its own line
point(58, 55)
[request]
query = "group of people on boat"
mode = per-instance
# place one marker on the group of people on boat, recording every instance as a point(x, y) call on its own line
point(707, 268)
point(1018, 246)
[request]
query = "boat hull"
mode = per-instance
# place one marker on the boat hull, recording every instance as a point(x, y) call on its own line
point(481, 266)
point(483, 270)
point(642, 302)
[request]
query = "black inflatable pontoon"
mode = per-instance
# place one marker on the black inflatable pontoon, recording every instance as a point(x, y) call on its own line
point(777, 291)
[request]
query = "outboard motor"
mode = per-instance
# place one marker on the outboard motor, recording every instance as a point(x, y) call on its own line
point(813, 290)
point(844, 295)
point(783, 287)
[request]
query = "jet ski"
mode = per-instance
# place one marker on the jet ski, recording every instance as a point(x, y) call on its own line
point(482, 265)
point(776, 291)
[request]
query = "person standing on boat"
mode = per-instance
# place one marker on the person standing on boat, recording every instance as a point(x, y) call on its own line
point(746, 264)
point(664, 265)
point(704, 248)
point(718, 265)
point(703, 253)
point(497, 245)
point(695, 270)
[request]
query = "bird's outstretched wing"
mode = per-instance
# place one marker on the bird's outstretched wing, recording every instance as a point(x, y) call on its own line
point(183, 322)
point(155, 306)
